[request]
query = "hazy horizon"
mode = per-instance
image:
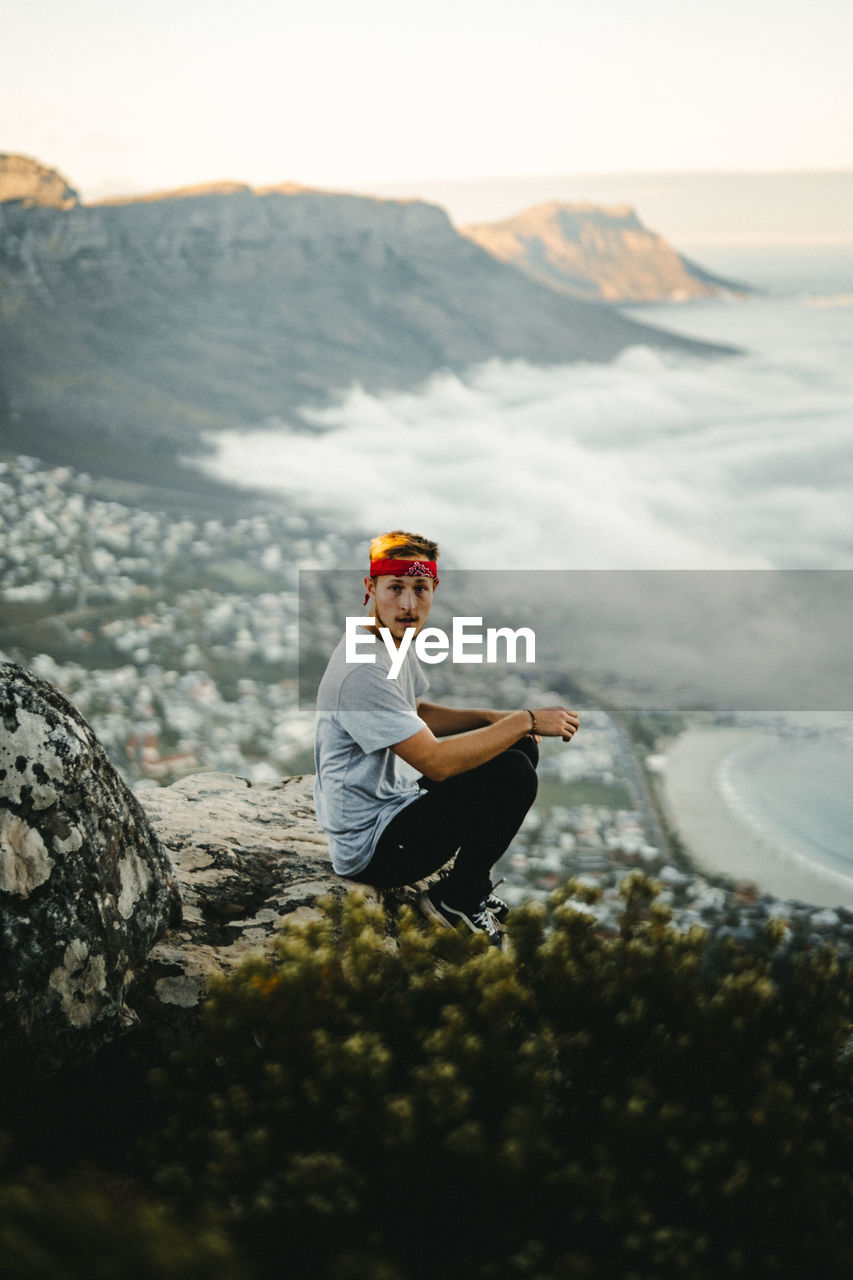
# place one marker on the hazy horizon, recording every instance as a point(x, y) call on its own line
point(694, 210)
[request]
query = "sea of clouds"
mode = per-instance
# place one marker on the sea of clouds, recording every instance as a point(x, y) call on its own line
point(657, 460)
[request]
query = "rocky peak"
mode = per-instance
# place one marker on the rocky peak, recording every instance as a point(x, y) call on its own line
point(33, 184)
point(595, 252)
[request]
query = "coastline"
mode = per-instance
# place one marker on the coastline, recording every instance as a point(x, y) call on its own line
point(719, 841)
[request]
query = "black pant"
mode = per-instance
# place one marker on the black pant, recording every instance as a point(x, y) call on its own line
point(477, 812)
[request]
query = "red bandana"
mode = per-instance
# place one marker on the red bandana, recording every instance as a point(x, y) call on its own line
point(403, 569)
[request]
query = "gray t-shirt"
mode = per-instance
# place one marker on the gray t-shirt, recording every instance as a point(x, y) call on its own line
point(361, 784)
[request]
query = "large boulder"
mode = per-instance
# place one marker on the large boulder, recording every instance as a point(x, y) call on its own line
point(85, 886)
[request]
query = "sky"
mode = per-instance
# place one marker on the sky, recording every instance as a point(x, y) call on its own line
point(126, 99)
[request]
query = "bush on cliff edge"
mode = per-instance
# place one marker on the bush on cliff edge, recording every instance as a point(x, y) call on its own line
point(405, 1106)
point(86, 1227)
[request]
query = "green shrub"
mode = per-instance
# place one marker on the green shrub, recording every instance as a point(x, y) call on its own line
point(414, 1104)
point(83, 1228)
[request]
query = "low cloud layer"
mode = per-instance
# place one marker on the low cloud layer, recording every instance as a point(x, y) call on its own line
point(655, 461)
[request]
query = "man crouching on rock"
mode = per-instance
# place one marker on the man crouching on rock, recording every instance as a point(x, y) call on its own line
point(478, 767)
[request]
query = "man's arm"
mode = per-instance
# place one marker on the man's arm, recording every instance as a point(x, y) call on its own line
point(444, 721)
point(440, 758)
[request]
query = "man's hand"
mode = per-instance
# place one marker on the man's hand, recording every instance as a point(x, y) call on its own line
point(555, 722)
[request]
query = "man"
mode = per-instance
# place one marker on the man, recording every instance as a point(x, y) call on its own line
point(478, 767)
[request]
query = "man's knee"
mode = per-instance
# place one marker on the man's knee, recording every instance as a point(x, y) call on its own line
point(508, 780)
point(527, 747)
point(514, 773)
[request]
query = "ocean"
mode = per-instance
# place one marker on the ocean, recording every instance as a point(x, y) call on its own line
point(791, 785)
point(654, 461)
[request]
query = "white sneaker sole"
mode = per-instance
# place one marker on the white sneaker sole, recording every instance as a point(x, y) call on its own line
point(428, 908)
point(454, 917)
point(444, 914)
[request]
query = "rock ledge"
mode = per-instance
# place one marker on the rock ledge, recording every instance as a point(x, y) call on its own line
point(248, 859)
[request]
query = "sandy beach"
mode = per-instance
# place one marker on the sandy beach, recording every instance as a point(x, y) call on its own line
point(721, 841)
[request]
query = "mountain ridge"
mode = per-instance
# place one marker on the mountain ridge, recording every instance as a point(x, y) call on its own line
point(129, 331)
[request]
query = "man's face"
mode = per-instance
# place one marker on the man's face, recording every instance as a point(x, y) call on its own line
point(400, 604)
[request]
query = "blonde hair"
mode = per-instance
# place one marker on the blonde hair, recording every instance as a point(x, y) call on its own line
point(399, 543)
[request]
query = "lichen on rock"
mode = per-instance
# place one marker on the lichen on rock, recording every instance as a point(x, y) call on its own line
point(80, 982)
point(85, 886)
point(24, 861)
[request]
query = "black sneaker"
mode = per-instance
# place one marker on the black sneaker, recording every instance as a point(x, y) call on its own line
point(496, 906)
point(434, 907)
